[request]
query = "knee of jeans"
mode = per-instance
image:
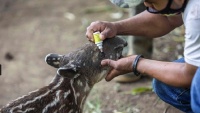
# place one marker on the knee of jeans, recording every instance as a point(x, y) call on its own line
point(158, 87)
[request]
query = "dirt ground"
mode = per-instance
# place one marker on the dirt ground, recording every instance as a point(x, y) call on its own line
point(31, 29)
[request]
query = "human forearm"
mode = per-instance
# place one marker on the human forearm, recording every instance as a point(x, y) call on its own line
point(172, 73)
point(148, 25)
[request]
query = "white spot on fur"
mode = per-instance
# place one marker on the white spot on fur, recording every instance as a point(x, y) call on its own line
point(53, 80)
point(71, 111)
point(56, 63)
point(77, 94)
point(19, 111)
point(62, 107)
point(78, 62)
point(79, 83)
point(58, 84)
point(36, 98)
point(95, 57)
point(82, 101)
point(66, 94)
point(28, 110)
point(17, 99)
point(33, 91)
point(87, 88)
point(77, 75)
point(8, 104)
point(75, 97)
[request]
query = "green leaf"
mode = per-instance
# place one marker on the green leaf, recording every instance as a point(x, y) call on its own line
point(140, 90)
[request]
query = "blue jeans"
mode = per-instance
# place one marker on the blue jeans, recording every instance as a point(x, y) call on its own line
point(187, 100)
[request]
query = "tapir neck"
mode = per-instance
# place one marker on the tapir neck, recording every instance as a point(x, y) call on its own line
point(61, 95)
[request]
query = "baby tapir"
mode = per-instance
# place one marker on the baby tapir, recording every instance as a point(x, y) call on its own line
point(77, 72)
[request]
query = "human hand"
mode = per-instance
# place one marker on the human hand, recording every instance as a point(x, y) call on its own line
point(107, 30)
point(119, 67)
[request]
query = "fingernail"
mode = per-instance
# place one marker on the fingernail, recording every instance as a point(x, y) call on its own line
point(102, 63)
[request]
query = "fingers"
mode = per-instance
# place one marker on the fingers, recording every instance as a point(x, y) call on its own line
point(94, 26)
point(112, 74)
point(89, 33)
point(119, 67)
point(108, 62)
point(104, 27)
point(104, 33)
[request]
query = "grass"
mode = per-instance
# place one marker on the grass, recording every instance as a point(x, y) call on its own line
point(93, 105)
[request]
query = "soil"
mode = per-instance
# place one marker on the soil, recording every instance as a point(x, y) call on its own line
point(31, 29)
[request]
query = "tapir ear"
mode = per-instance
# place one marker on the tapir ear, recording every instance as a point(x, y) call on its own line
point(68, 71)
point(53, 59)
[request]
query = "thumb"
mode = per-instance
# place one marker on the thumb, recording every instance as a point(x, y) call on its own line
point(103, 36)
point(112, 74)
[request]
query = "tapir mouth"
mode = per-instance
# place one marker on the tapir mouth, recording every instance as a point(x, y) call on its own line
point(121, 56)
point(125, 44)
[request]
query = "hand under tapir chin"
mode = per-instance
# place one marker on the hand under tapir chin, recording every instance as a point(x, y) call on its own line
point(119, 67)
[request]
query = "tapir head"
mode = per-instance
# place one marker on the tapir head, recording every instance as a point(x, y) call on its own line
point(86, 61)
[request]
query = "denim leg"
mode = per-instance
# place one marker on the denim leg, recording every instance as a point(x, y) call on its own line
point(177, 97)
point(195, 92)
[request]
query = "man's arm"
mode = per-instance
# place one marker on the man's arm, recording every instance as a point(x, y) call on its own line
point(143, 24)
point(148, 25)
point(171, 73)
